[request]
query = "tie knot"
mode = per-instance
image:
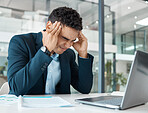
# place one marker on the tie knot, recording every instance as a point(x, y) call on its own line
point(55, 56)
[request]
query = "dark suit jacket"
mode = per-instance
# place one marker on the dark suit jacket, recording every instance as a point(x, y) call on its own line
point(27, 68)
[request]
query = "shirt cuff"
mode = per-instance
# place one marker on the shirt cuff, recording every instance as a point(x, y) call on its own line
point(85, 58)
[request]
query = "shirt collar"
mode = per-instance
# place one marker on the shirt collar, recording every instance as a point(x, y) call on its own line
point(55, 56)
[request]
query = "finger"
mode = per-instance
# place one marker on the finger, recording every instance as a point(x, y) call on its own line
point(75, 45)
point(55, 28)
point(58, 31)
point(44, 34)
point(81, 36)
point(50, 27)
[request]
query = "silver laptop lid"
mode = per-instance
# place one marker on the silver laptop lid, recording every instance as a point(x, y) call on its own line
point(136, 92)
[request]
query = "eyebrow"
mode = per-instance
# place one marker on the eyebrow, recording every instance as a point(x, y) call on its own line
point(67, 38)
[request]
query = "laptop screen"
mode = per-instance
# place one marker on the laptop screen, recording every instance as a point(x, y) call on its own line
point(136, 92)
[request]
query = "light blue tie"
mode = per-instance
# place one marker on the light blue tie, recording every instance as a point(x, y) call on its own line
point(53, 75)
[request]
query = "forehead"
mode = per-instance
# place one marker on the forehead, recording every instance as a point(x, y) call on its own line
point(69, 32)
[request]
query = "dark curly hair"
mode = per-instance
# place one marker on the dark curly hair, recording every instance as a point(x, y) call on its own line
point(67, 16)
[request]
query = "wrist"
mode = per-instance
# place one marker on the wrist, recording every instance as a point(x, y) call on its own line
point(83, 55)
point(45, 50)
point(48, 48)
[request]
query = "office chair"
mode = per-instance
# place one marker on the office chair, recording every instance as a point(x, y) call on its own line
point(4, 89)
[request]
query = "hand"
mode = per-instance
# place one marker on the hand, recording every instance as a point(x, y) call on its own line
point(50, 36)
point(81, 45)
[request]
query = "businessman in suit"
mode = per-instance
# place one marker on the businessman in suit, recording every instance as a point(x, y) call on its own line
point(42, 63)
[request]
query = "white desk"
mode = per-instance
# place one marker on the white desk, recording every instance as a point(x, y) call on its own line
point(78, 108)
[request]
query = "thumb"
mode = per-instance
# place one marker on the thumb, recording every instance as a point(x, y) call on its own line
point(75, 46)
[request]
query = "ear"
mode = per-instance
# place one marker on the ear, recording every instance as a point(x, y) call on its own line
point(48, 25)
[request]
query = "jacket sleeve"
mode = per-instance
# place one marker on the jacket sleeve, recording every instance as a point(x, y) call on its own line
point(24, 72)
point(82, 76)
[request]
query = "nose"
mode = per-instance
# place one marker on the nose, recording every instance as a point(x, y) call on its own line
point(68, 44)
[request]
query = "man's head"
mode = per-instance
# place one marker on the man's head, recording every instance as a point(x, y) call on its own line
point(71, 23)
point(67, 16)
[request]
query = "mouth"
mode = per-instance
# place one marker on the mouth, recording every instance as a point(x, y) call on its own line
point(64, 49)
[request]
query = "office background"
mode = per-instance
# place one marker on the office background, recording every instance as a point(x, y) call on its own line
point(125, 31)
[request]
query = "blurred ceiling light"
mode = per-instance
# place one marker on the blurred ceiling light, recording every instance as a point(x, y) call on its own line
point(97, 22)
point(87, 27)
point(146, 2)
point(135, 17)
point(0, 12)
point(135, 26)
point(143, 22)
point(107, 16)
point(132, 47)
point(128, 7)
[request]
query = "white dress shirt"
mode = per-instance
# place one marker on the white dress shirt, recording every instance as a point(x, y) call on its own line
point(53, 74)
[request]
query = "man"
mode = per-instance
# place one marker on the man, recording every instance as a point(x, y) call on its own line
point(42, 63)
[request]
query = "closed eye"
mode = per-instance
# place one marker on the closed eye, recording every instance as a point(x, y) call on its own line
point(67, 39)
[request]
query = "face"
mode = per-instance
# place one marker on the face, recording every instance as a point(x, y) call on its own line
point(66, 39)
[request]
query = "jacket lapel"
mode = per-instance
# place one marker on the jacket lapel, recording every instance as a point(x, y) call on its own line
point(65, 74)
point(62, 66)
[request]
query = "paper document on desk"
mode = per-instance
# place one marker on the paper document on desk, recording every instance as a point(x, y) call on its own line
point(8, 99)
point(42, 101)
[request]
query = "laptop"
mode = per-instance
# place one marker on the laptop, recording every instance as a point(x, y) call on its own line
point(136, 91)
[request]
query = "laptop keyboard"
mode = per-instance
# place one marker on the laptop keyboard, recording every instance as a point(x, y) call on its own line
point(113, 101)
